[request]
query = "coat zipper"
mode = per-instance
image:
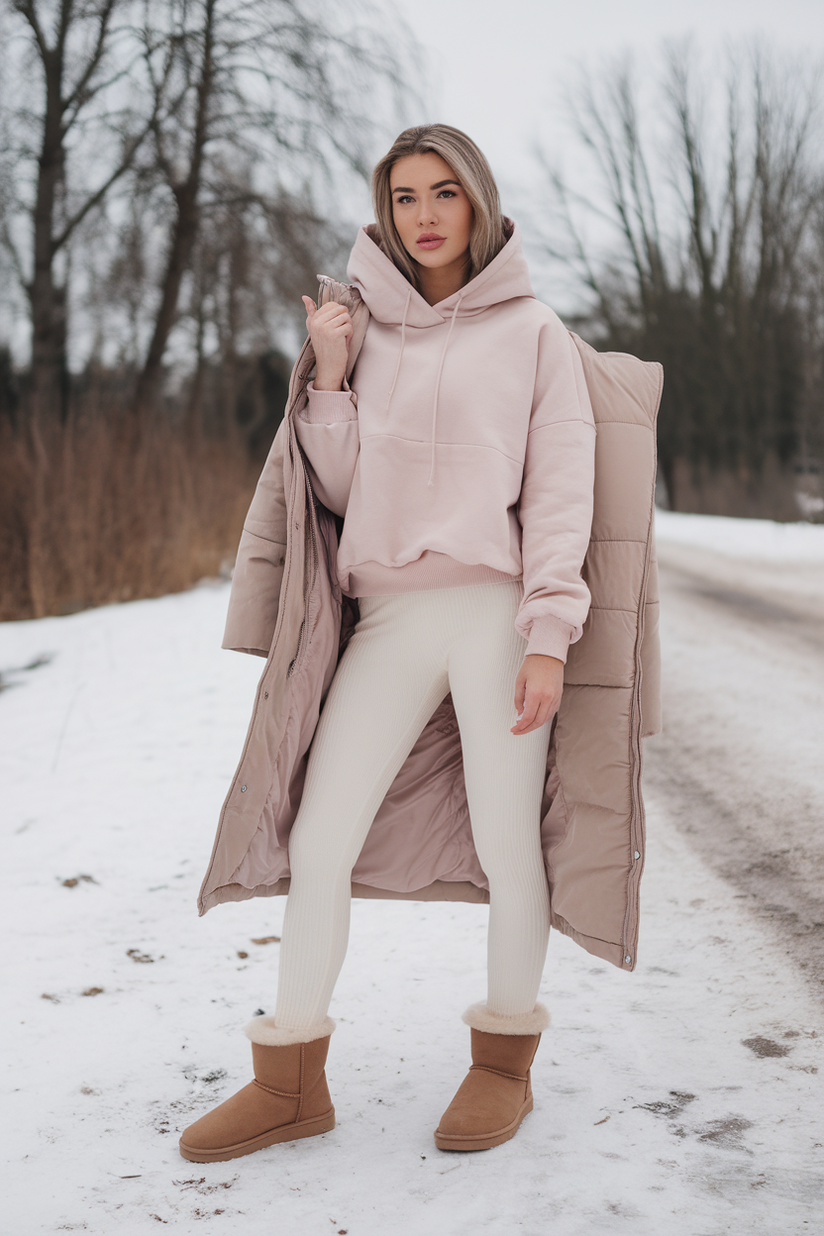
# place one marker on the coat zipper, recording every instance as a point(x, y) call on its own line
point(636, 800)
point(637, 817)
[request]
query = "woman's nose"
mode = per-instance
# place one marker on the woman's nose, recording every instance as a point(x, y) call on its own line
point(427, 215)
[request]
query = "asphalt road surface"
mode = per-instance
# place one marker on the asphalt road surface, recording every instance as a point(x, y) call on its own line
point(739, 767)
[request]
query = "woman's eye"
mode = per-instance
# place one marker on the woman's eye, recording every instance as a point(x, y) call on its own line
point(403, 199)
point(447, 193)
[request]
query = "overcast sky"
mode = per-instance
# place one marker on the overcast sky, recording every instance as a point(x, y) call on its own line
point(500, 64)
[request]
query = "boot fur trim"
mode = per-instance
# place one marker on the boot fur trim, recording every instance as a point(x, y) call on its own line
point(263, 1030)
point(480, 1017)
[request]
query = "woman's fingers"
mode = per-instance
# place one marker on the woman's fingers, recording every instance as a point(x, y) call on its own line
point(332, 319)
point(536, 712)
point(331, 311)
point(538, 689)
point(531, 710)
point(331, 329)
point(526, 704)
point(520, 688)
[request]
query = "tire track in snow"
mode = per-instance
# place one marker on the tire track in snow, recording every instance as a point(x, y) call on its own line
point(739, 768)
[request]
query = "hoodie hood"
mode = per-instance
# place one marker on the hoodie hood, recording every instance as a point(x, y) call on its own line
point(386, 290)
point(392, 299)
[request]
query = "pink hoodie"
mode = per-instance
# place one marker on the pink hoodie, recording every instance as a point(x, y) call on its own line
point(464, 451)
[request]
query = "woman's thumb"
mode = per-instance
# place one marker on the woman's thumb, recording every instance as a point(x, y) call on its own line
point(520, 694)
point(310, 306)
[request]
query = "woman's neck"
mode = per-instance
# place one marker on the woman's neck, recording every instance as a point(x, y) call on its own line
point(438, 284)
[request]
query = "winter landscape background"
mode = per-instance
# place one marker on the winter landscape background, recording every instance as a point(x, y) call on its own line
point(173, 173)
point(683, 1098)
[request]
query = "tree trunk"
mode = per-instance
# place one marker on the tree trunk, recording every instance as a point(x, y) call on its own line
point(181, 243)
point(184, 232)
point(47, 298)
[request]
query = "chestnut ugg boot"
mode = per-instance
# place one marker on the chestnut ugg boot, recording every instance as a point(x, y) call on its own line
point(288, 1099)
point(496, 1093)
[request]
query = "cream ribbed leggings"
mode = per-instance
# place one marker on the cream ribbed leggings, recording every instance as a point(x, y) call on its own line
point(407, 652)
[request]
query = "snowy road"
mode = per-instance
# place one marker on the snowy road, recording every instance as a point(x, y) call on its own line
point(739, 768)
point(685, 1098)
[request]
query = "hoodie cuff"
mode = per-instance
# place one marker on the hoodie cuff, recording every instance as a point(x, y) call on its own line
point(327, 407)
point(549, 637)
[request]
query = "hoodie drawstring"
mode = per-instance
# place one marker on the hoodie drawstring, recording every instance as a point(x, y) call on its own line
point(400, 353)
point(437, 389)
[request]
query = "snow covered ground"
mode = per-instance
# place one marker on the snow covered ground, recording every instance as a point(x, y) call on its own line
point(759, 540)
point(685, 1098)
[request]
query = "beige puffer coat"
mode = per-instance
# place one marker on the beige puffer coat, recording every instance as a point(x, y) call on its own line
point(285, 604)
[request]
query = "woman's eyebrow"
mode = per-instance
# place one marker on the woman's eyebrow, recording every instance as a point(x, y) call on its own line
point(439, 185)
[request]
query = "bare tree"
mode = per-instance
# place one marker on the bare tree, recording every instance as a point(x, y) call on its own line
point(295, 90)
point(707, 255)
point(281, 87)
point(82, 60)
point(252, 259)
point(172, 173)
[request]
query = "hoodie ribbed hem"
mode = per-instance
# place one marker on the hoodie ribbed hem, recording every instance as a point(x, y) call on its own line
point(431, 570)
point(550, 637)
point(327, 407)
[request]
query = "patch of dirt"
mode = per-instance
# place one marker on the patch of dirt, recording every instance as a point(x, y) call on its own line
point(764, 1048)
point(202, 1187)
point(726, 1132)
point(672, 1106)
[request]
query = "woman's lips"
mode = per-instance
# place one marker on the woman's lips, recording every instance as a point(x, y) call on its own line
point(430, 241)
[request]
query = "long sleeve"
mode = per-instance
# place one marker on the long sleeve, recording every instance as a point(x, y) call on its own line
point(327, 429)
point(556, 502)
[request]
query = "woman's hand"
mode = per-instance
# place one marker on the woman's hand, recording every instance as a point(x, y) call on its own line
point(538, 690)
point(330, 329)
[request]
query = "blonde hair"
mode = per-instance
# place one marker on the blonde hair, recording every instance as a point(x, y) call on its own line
point(489, 232)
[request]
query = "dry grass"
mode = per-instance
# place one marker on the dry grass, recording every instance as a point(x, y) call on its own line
point(103, 512)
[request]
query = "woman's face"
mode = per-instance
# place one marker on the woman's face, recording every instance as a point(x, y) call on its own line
point(432, 213)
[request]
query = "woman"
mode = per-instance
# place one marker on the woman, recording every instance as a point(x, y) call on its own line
point(461, 462)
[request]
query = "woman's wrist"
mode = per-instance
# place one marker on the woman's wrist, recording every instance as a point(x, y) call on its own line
point(545, 656)
point(324, 383)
